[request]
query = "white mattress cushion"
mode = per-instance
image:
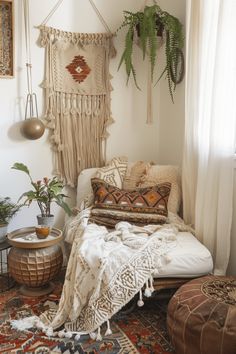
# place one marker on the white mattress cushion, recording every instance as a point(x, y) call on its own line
point(189, 258)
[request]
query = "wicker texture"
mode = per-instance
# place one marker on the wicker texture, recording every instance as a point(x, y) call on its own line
point(201, 316)
point(36, 267)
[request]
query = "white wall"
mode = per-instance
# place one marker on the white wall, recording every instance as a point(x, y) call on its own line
point(161, 141)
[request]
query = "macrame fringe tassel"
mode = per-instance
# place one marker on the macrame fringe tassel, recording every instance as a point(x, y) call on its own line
point(151, 284)
point(61, 334)
point(50, 333)
point(49, 34)
point(93, 335)
point(147, 291)
point(77, 337)
point(108, 331)
point(99, 337)
point(140, 302)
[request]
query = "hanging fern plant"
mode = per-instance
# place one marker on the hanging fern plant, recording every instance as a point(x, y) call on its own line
point(148, 25)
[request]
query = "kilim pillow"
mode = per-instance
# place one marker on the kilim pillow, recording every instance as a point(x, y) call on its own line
point(114, 172)
point(141, 206)
point(165, 173)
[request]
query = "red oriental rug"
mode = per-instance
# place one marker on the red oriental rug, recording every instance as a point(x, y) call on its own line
point(141, 331)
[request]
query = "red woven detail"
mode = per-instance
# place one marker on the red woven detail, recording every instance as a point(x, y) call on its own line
point(78, 68)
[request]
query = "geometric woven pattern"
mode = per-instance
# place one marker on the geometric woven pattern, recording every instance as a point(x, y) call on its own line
point(202, 316)
point(78, 68)
point(35, 267)
point(141, 331)
point(114, 172)
point(141, 206)
point(165, 173)
point(147, 200)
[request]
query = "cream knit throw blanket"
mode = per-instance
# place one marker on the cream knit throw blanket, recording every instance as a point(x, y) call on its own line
point(104, 272)
point(77, 98)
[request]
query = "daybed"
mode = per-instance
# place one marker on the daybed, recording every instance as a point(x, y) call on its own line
point(145, 245)
point(189, 258)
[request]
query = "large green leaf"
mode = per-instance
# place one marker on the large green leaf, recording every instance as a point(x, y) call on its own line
point(64, 206)
point(30, 196)
point(20, 167)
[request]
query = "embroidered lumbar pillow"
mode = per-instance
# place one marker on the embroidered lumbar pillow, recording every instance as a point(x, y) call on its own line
point(141, 206)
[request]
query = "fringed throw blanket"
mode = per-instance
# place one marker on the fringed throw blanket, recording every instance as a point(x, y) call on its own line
point(105, 271)
point(77, 96)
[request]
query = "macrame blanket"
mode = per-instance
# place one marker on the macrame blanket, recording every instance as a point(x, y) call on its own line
point(77, 98)
point(105, 271)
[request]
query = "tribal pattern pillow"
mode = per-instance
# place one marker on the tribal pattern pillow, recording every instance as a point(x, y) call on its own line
point(165, 173)
point(140, 206)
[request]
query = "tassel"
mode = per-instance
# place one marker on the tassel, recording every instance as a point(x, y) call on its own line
point(147, 291)
point(99, 337)
point(68, 334)
point(92, 335)
point(49, 332)
point(108, 331)
point(77, 337)
point(140, 302)
point(151, 284)
point(38, 324)
point(61, 334)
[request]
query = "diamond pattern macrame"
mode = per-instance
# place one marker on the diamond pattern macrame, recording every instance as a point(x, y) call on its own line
point(78, 68)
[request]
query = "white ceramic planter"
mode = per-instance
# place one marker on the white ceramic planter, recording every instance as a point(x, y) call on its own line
point(46, 220)
point(3, 232)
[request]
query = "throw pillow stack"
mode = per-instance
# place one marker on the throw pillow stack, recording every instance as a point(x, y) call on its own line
point(141, 193)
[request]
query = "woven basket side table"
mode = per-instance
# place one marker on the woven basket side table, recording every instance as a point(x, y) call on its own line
point(35, 263)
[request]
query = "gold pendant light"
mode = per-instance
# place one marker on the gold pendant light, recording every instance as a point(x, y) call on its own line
point(32, 128)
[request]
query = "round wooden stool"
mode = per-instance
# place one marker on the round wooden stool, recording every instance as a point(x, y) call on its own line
point(201, 316)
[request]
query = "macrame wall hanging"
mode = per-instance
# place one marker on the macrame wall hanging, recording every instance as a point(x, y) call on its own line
point(77, 96)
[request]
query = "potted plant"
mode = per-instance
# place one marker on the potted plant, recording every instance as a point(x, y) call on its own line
point(147, 25)
point(44, 192)
point(7, 210)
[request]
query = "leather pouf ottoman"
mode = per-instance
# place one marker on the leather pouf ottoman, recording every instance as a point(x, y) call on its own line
point(201, 316)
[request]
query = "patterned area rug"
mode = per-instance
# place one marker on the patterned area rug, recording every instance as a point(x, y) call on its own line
point(141, 331)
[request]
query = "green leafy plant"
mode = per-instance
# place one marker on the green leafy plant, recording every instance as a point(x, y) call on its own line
point(7, 210)
point(148, 25)
point(44, 192)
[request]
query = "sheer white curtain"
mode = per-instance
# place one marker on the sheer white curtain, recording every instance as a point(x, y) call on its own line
point(210, 124)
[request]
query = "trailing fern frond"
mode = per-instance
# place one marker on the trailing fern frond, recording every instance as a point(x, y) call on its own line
point(148, 25)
